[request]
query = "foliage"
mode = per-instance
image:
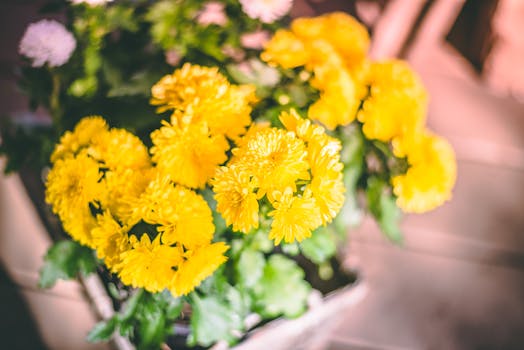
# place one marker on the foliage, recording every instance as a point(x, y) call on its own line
point(66, 260)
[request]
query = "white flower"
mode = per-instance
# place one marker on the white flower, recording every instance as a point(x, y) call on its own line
point(47, 41)
point(266, 11)
point(212, 13)
point(90, 2)
point(254, 40)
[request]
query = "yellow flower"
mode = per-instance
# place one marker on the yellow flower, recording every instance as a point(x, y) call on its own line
point(110, 239)
point(323, 55)
point(72, 183)
point(185, 218)
point(81, 136)
point(275, 157)
point(188, 86)
point(199, 264)
point(286, 50)
point(78, 223)
point(119, 149)
point(182, 216)
point(236, 201)
point(323, 151)
point(294, 217)
point(123, 188)
point(342, 29)
point(189, 155)
point(254, 128)
point(148, 265)
point(329, 196)
point(431, 176)
point(338, 103)
point(397, 103)
point(228, 115)
point(323, 157)
point(202, 95)
point(303, 128)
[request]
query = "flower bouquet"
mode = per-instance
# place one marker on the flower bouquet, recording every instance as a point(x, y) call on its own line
point(204, 204)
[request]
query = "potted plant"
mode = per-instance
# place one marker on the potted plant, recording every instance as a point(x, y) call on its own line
point(211, 195)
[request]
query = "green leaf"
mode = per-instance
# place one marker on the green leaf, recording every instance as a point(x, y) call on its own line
point(240, 301)
point(352, 154)
point(212, 320)
point(218, 220)
point(103, 330)
point(131, 306)
point(350, 215)
point(65, 260)
point(282, 288)
point(152, 331)
point(320, 247)
point(290, 248)
point(389, 222)
point(260, 241)
point(382, 205)
point(249, 267)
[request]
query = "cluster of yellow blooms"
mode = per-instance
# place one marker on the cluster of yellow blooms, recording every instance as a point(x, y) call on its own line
point(109, 195)
point(296, 171)
point(207, 111)
point(387, 97)
point(140, 213)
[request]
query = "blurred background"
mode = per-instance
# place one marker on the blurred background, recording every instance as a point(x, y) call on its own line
point(458, 280)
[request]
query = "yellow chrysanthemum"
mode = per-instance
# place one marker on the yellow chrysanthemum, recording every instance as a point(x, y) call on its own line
point(188, 86)
point(275, 157)
point(236, 199)
point(431, 176)
point(323, 54)
point(198, 265)
point(189, 155)
point(323, 157)
point(303, 128)
point(199, 94)
point(81, 136)
point(294, 217)
point(338, 103)
point(349, 37)
point(397, 102)
point(110, 239)
point(185, 218)
point(72, 183)
point(119, 149)
point(148, 265)
point(79, 223)
point(329, 196)
point(123, 188)
point(228, 115)
point(286, 50)
point(323, 151)
point(254, 128)
point(182, 216)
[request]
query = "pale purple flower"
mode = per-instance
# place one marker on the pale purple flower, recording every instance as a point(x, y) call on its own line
point(212, 13)
point(47, 41)
point(266, 11)
point(173, 57)
point(90, 2)
point(254, 40)
point(237, 54)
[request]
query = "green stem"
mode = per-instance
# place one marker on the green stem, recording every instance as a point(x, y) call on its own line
point(54, 102)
